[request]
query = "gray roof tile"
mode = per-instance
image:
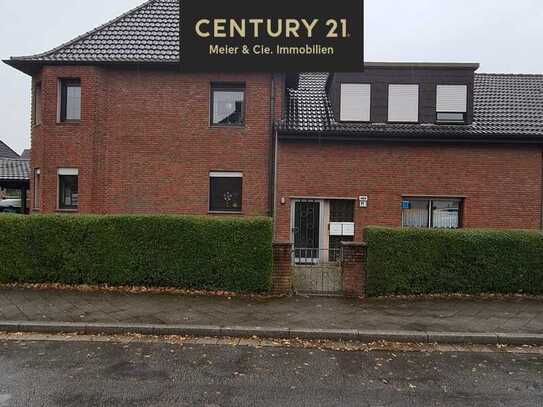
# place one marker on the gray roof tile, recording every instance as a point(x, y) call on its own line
point(14, 169)
point(6, 151)
point(148, 33)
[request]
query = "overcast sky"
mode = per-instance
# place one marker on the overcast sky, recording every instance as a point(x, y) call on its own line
point(503, 35)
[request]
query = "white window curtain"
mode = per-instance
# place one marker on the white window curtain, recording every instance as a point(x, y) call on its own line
point(445, 214)
point(417, 215)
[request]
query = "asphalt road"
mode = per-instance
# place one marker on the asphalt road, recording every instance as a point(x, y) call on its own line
point(146, 374)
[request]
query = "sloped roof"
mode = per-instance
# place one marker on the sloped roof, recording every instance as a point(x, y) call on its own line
point(148, 33)
point(7, 152)
point(14, 169)
point(25, 155)
point(504, 105)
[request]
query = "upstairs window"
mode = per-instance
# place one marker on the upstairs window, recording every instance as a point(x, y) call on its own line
point(225, 191)
point(68, 188)
point(355, 102)
point(70, 100)
point(431, 213)
point(36, 109)
point(403, 103)
point(452, 103)
point(227, 104)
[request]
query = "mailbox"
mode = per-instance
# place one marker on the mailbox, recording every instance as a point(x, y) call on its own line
point(341, 229)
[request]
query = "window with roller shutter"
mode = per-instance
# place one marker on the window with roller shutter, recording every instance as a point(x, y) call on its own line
point(451, 103)
point(403, 103)
point(355, 102)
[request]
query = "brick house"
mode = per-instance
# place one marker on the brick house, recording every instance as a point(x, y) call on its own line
point(117, 129)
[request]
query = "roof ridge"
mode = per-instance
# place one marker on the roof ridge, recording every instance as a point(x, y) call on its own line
point(88, 33)
point(10, 149)
point(526, 75)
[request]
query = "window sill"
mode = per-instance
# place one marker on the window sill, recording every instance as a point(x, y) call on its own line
point(417, 122)
point(225, 213)
point(227, 126)
point(69, 122)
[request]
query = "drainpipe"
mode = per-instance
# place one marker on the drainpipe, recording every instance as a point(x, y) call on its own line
point(275, 166)
point(541, 193)
point(271, 180)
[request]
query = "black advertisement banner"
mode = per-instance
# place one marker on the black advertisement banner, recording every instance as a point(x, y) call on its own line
point(279, 35)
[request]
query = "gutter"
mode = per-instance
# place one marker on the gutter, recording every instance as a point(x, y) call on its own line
point(401, 137)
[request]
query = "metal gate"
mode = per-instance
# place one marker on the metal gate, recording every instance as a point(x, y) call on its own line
point(317, 270)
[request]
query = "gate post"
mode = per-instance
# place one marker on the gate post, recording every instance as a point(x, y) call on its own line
point(352, 265)
point(282, 268)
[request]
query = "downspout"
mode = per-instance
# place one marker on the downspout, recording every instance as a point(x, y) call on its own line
point(541, 193)
point(275, 166)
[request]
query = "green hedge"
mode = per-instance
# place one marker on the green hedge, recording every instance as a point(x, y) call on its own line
point(422, 261)
point(172, 251)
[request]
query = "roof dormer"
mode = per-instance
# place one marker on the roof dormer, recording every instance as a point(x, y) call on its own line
point(403, 93)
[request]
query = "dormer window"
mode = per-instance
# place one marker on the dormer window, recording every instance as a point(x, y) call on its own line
point(403, 103)
point(451, 103)
point(355, 102)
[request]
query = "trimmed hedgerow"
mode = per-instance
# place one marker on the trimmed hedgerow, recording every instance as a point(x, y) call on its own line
point(425, 261)
point(172, 251)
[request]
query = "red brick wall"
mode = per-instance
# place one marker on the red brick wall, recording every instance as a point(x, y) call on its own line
point(501, 184)
point(144, 143)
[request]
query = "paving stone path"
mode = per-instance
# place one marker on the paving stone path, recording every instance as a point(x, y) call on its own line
point(458, 315)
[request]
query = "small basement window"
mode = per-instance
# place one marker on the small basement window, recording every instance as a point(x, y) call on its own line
point(431, 213)
point(70, 100)
point(68, 188)
point(225, 191)
point(451, 103)
point(227, 104)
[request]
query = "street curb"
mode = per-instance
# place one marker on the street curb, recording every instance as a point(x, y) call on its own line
point(276, 333)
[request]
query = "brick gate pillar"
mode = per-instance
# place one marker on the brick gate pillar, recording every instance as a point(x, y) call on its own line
point(282, 268)
point(352, 264)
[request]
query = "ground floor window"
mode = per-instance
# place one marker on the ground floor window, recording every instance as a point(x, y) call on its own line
point(37, 188)
point(225, 191)
point(434, 213)
point(68, 188)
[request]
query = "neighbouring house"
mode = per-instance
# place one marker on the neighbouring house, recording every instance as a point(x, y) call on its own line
point(7, 152)
point(25, 155)
point(14, 176)
point(118, 129)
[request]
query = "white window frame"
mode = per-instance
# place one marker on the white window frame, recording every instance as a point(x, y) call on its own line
point(405, 111)
point(452, 100)
point(430, 201)
point(66, 172)
point(225, 174)
point(355, 102)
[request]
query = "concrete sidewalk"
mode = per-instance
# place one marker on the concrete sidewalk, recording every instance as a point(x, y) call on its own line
point(476, 320)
